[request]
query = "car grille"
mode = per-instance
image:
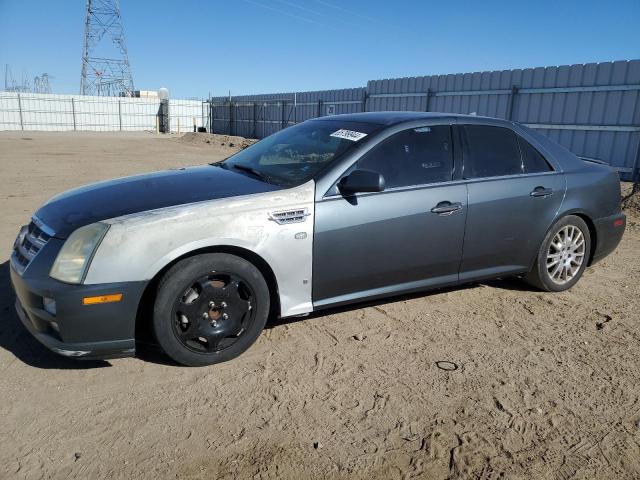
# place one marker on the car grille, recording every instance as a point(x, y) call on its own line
point(30, 241)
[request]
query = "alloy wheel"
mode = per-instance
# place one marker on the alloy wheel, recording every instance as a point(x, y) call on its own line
point(566, 254)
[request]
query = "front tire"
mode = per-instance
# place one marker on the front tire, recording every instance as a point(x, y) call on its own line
point(210, 308)
point(563, 256)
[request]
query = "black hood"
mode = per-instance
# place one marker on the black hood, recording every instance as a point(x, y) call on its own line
point(122, 196)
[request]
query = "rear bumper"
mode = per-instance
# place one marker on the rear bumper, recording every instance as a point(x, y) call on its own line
point(609, 231)
point(76, 330)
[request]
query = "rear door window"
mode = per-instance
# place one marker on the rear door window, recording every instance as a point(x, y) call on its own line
point(416, 156)
point(490, 152)
point(532, 159)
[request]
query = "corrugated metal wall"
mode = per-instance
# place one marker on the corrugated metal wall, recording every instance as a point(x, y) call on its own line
point(259, 116)
point(33, 111)
point(592, 109)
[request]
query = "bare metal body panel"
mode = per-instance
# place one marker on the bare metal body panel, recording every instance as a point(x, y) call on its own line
point(139, 245)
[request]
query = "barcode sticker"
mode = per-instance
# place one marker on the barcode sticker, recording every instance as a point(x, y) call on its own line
point(348, 135)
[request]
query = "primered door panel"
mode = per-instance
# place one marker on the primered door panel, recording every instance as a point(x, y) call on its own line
point(506, 223)
point(376, 244)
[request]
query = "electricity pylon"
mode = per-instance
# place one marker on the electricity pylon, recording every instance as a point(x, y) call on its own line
point(105, 62)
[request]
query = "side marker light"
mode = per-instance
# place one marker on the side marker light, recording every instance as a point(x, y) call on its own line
point(114, 297)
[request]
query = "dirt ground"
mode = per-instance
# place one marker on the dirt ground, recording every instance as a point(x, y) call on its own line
point(539, 385)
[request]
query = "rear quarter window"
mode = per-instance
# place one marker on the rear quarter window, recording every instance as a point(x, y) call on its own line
point(532, 159)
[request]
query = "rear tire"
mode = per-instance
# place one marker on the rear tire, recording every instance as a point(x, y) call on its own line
point(210, 308)
point(563, 256)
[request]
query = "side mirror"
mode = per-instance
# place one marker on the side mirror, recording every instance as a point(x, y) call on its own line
point(361, 181)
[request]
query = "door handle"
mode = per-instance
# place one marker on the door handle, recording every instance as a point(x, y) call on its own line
point(446, 208)
point(541, 192)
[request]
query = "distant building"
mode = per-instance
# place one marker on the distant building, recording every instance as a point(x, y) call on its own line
point(145, 94)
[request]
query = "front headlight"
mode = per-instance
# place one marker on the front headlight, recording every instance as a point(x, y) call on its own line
point(75, 256)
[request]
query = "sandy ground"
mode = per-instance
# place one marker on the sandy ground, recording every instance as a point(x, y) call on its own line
point(546, 386)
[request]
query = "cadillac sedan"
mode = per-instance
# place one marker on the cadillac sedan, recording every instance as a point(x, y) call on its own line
point(328, 212)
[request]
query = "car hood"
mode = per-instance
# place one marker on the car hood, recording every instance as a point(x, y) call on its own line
point(113, 198)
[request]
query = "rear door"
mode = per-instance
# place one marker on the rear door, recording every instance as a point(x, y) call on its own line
point(373, 244)
point(514, 195)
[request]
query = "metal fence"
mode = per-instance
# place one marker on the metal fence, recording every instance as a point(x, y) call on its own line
point(32, 111)
point(187, 115)
point(593, 109)
point(259, 116)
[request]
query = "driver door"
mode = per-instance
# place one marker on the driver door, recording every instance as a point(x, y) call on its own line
point(407, 237)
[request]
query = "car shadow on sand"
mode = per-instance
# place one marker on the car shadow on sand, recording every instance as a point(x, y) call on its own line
point(507, 283)
point(15, 338)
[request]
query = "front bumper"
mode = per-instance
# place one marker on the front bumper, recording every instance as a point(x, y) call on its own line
point(76, 330)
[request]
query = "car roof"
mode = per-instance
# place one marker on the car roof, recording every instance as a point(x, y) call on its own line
point(392, 118)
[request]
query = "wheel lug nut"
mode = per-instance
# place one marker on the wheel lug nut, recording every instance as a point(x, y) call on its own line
point(223, 304)
point(212, 304)
point(225, 316)
point(205, 315)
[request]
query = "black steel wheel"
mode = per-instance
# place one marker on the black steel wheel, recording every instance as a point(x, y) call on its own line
point(210, 308)
point(213, 312)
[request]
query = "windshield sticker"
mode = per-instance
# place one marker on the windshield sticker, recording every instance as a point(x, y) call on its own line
point(348, 135)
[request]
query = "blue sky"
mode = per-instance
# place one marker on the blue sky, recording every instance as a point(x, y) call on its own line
point(263, 46)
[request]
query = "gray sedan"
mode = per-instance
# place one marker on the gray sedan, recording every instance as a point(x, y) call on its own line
point(329, 212)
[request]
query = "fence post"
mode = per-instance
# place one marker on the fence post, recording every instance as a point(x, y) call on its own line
point(319, 108)
point(212, 115)
point(230, 117)
point(163, 114)
point(20, 110)
point(283, 119)
point(429, 95)
point(255, 120)
point(512, 101)
point(73, 112)
point(635, 170)
point(365, 97)
point(120, 113)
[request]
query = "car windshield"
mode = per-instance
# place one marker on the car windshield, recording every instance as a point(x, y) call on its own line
point(296, 154)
